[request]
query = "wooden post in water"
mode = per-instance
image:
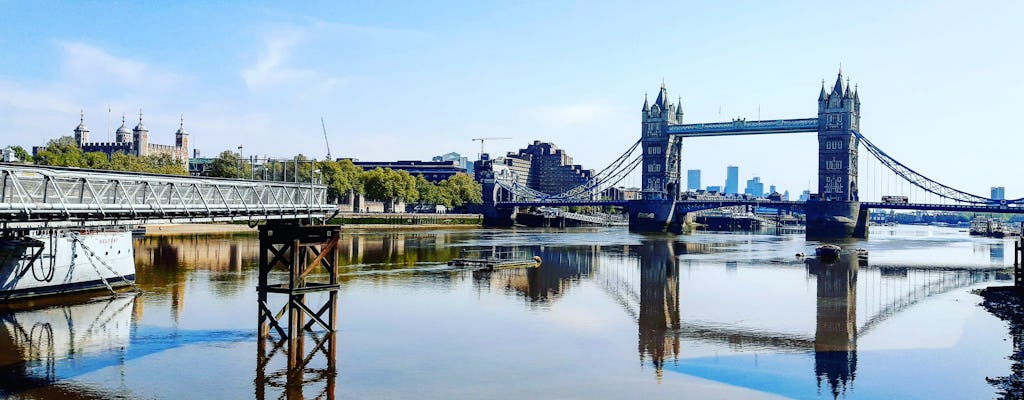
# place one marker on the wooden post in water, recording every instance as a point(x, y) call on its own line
point(301, 251)
point(1018, 269)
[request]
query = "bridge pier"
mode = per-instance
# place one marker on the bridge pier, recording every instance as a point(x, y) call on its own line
point(654, 216)
point(497, 216)
point(836, 220)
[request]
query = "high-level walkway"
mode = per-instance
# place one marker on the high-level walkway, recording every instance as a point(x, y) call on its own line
point(33, 197)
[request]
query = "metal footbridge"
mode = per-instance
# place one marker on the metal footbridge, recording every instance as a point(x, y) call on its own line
point(33, 197)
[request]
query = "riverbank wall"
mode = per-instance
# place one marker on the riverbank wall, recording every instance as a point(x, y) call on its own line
point(346, 220)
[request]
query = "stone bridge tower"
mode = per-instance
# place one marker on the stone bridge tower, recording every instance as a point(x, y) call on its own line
point(660, 177)
point(835, 212)
point(660, 151)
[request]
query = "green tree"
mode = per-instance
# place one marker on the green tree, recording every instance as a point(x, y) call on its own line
point(389, 186)
point(97, 160)
point(429, 193)
point(21, 153)
point(62, 152)
point(461, 190)
point(228, 165)
point(163, 163)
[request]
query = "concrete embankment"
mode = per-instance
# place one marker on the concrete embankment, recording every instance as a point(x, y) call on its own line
point(346, 220)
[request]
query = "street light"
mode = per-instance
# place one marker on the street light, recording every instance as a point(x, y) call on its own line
point(240, 157)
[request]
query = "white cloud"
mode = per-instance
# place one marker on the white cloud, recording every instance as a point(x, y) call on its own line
point(88, 65)
point(272, 67)
point(52, 98)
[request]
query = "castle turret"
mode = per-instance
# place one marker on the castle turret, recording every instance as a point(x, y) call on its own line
point(181, 140)
point(141, 136)
point(123, 135)
point(81, 132)
point(679, 111)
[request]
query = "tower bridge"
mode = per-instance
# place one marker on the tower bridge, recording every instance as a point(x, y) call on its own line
point(834, 211)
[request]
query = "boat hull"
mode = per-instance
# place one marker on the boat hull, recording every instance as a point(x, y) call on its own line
point(58, 263)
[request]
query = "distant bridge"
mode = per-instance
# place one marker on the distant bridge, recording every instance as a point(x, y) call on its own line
point(33, 197)
point(835, 210)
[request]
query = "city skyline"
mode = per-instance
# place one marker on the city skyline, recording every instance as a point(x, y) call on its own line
point(398, 81)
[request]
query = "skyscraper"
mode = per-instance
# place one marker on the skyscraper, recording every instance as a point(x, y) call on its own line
point(998, 193)
point(693, 179)
point(732, 180)
point(754, 187)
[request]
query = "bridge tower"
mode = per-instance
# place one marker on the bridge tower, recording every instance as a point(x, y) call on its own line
point(836, 212)
point(661, 165)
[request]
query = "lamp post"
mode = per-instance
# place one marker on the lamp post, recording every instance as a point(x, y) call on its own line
point(240, 158)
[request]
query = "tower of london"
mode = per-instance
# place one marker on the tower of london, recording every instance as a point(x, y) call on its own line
point(134, 142)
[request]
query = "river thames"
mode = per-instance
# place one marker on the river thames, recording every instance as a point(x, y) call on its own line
point(608, 315)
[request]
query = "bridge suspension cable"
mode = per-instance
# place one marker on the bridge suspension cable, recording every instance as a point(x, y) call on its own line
point(921, 181)
point(610, 175)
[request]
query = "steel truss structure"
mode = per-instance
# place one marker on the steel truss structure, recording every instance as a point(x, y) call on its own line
point(34, 197)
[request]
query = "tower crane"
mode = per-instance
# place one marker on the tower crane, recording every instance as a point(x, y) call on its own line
point(328, 144)
point(484, 139)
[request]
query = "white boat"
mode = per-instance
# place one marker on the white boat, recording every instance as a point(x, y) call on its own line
point(56, 262)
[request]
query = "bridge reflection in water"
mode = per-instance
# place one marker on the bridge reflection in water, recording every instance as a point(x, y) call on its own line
point(655, 283)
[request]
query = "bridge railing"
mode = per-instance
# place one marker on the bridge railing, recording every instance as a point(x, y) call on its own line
point(34, 196)
point(747, 127)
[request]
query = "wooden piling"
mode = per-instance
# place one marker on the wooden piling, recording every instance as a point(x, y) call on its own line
point(300, 250)
point(1018, 269)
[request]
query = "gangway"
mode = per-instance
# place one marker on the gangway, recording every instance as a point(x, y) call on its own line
point(34, 197)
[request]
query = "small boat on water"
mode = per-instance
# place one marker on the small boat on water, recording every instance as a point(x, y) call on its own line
point(54, 262)
point(827, 252)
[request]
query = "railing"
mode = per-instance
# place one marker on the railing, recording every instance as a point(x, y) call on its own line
point(743, 127)
point(35, 197)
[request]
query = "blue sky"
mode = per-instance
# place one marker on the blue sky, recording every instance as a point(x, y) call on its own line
point(940, 81)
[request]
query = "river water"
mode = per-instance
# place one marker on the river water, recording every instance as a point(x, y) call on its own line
point(608, 315)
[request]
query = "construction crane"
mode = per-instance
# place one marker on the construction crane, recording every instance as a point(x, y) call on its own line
point(484, 139)
point(328, 144)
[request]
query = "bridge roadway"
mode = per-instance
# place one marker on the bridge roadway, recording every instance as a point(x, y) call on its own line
point(34, 197)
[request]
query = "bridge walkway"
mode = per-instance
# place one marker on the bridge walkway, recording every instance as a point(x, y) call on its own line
point(33, 197)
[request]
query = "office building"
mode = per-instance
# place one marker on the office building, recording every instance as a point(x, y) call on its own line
point(754, 187)
point(998, 193)
point(693, 179)
point(432, 171)
point(732, 180)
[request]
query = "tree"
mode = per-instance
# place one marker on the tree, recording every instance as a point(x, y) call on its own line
point(228, 165)
point(163, 163)
point(429, 193)
point(97, 160)
point(389, 186)
point(62, 152)
point(21, 153)
point(461, 189)
point(341, 178)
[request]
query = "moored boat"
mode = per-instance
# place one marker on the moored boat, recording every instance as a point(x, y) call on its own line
point(55, 262)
